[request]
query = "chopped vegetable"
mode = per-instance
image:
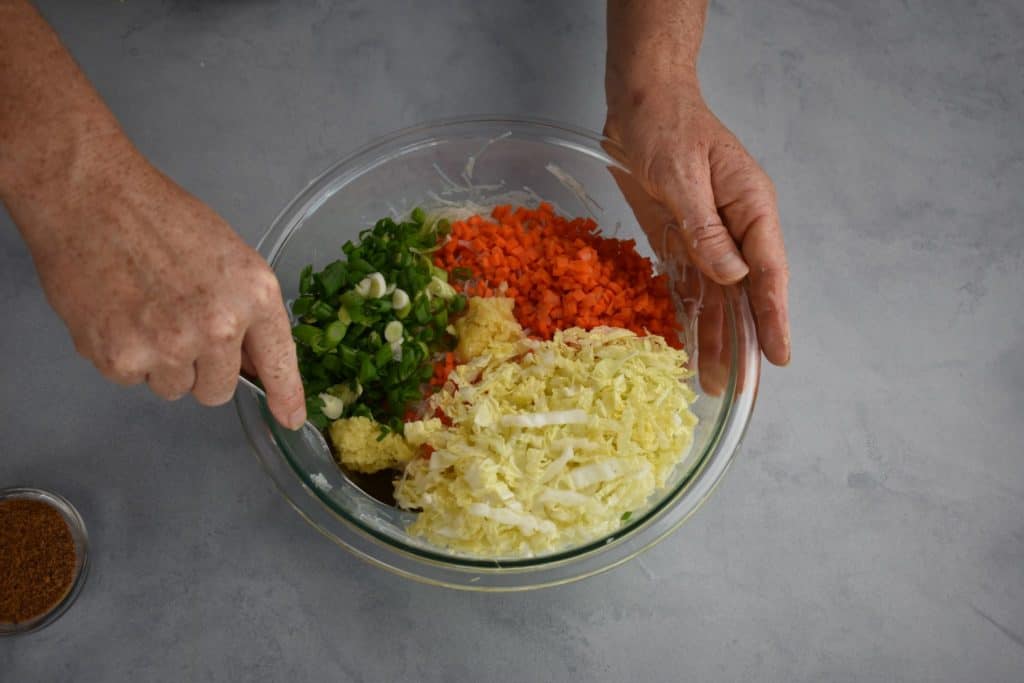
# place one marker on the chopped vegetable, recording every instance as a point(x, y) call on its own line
point(393, 331)
point(399, 299)
point(555, 448)
point(486, 324)
point(361, 449)
point(560, 272)
point(558, 401)
point(374, 321)
point(372, 286)
point(333, 406)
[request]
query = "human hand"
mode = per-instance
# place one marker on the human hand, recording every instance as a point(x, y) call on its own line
point(709, 335)
point(720, 205)
point(155, 287)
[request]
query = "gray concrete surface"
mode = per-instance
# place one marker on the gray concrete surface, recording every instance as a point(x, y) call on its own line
point(873, 527)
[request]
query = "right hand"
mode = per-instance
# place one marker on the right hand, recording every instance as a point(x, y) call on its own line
point(721, 203)
point(155, 287)
point(710, 347)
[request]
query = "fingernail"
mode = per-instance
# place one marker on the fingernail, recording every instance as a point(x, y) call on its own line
point(783, 340)
point(774, 344)
point(730, 269)
point(297, 418)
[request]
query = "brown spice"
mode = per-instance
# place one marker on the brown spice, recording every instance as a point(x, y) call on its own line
point(37, 559)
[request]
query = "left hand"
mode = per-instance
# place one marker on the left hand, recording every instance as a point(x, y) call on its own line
point(722, 203)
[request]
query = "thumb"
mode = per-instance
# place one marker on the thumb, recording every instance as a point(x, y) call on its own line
point(685, 186)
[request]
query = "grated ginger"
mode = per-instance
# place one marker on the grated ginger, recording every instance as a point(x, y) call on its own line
point(360, 448)
point(488, 328)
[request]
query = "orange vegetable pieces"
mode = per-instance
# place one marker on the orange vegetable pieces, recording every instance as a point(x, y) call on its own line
point(442, 369)
point(560, 272)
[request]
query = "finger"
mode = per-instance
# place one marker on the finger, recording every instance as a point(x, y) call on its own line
point(687, 282)
point(269, 346)
point(737, 345)
point(217, 374)
point(686, 187)
point(746, 199)
point(713, 357)
point(172, 381)
point(749, 207)
point(124, 362)
point(769, 283)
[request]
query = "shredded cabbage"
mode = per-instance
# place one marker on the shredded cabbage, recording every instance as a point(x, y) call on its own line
point(549, 443)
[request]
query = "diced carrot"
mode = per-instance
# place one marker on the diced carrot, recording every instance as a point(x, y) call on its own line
point(560, 272)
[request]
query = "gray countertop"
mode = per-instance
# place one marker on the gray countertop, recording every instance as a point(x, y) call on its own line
point(872, 528)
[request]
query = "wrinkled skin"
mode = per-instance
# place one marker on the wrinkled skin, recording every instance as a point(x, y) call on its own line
point(714, 198)
point(155, 287)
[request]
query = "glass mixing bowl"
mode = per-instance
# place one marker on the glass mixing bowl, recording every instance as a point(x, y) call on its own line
point(490, 161)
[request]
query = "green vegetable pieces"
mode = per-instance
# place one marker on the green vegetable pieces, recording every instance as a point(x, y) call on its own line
point(369, 325)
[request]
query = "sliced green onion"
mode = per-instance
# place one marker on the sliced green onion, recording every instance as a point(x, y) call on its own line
point(333, 277)
point(323, 311)
point(383, 356)
point(306, 280)
point(301, 306)
point(334, 333)
point(421, 311)
point(332, 363)
point(367, 371)
point(399, 299)
point(375, 319)
point(307, 334)
point(393, 331)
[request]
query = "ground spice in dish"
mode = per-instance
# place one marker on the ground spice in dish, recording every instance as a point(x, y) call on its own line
point(37, 559)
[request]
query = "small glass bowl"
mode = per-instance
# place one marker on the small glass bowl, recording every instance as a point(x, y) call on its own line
point(489, 161)
point(78, 533)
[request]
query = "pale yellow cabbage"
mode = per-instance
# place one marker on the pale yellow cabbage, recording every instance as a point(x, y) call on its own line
point(552, 449)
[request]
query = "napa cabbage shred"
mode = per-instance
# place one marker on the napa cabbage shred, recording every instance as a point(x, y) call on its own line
point(549, 444)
